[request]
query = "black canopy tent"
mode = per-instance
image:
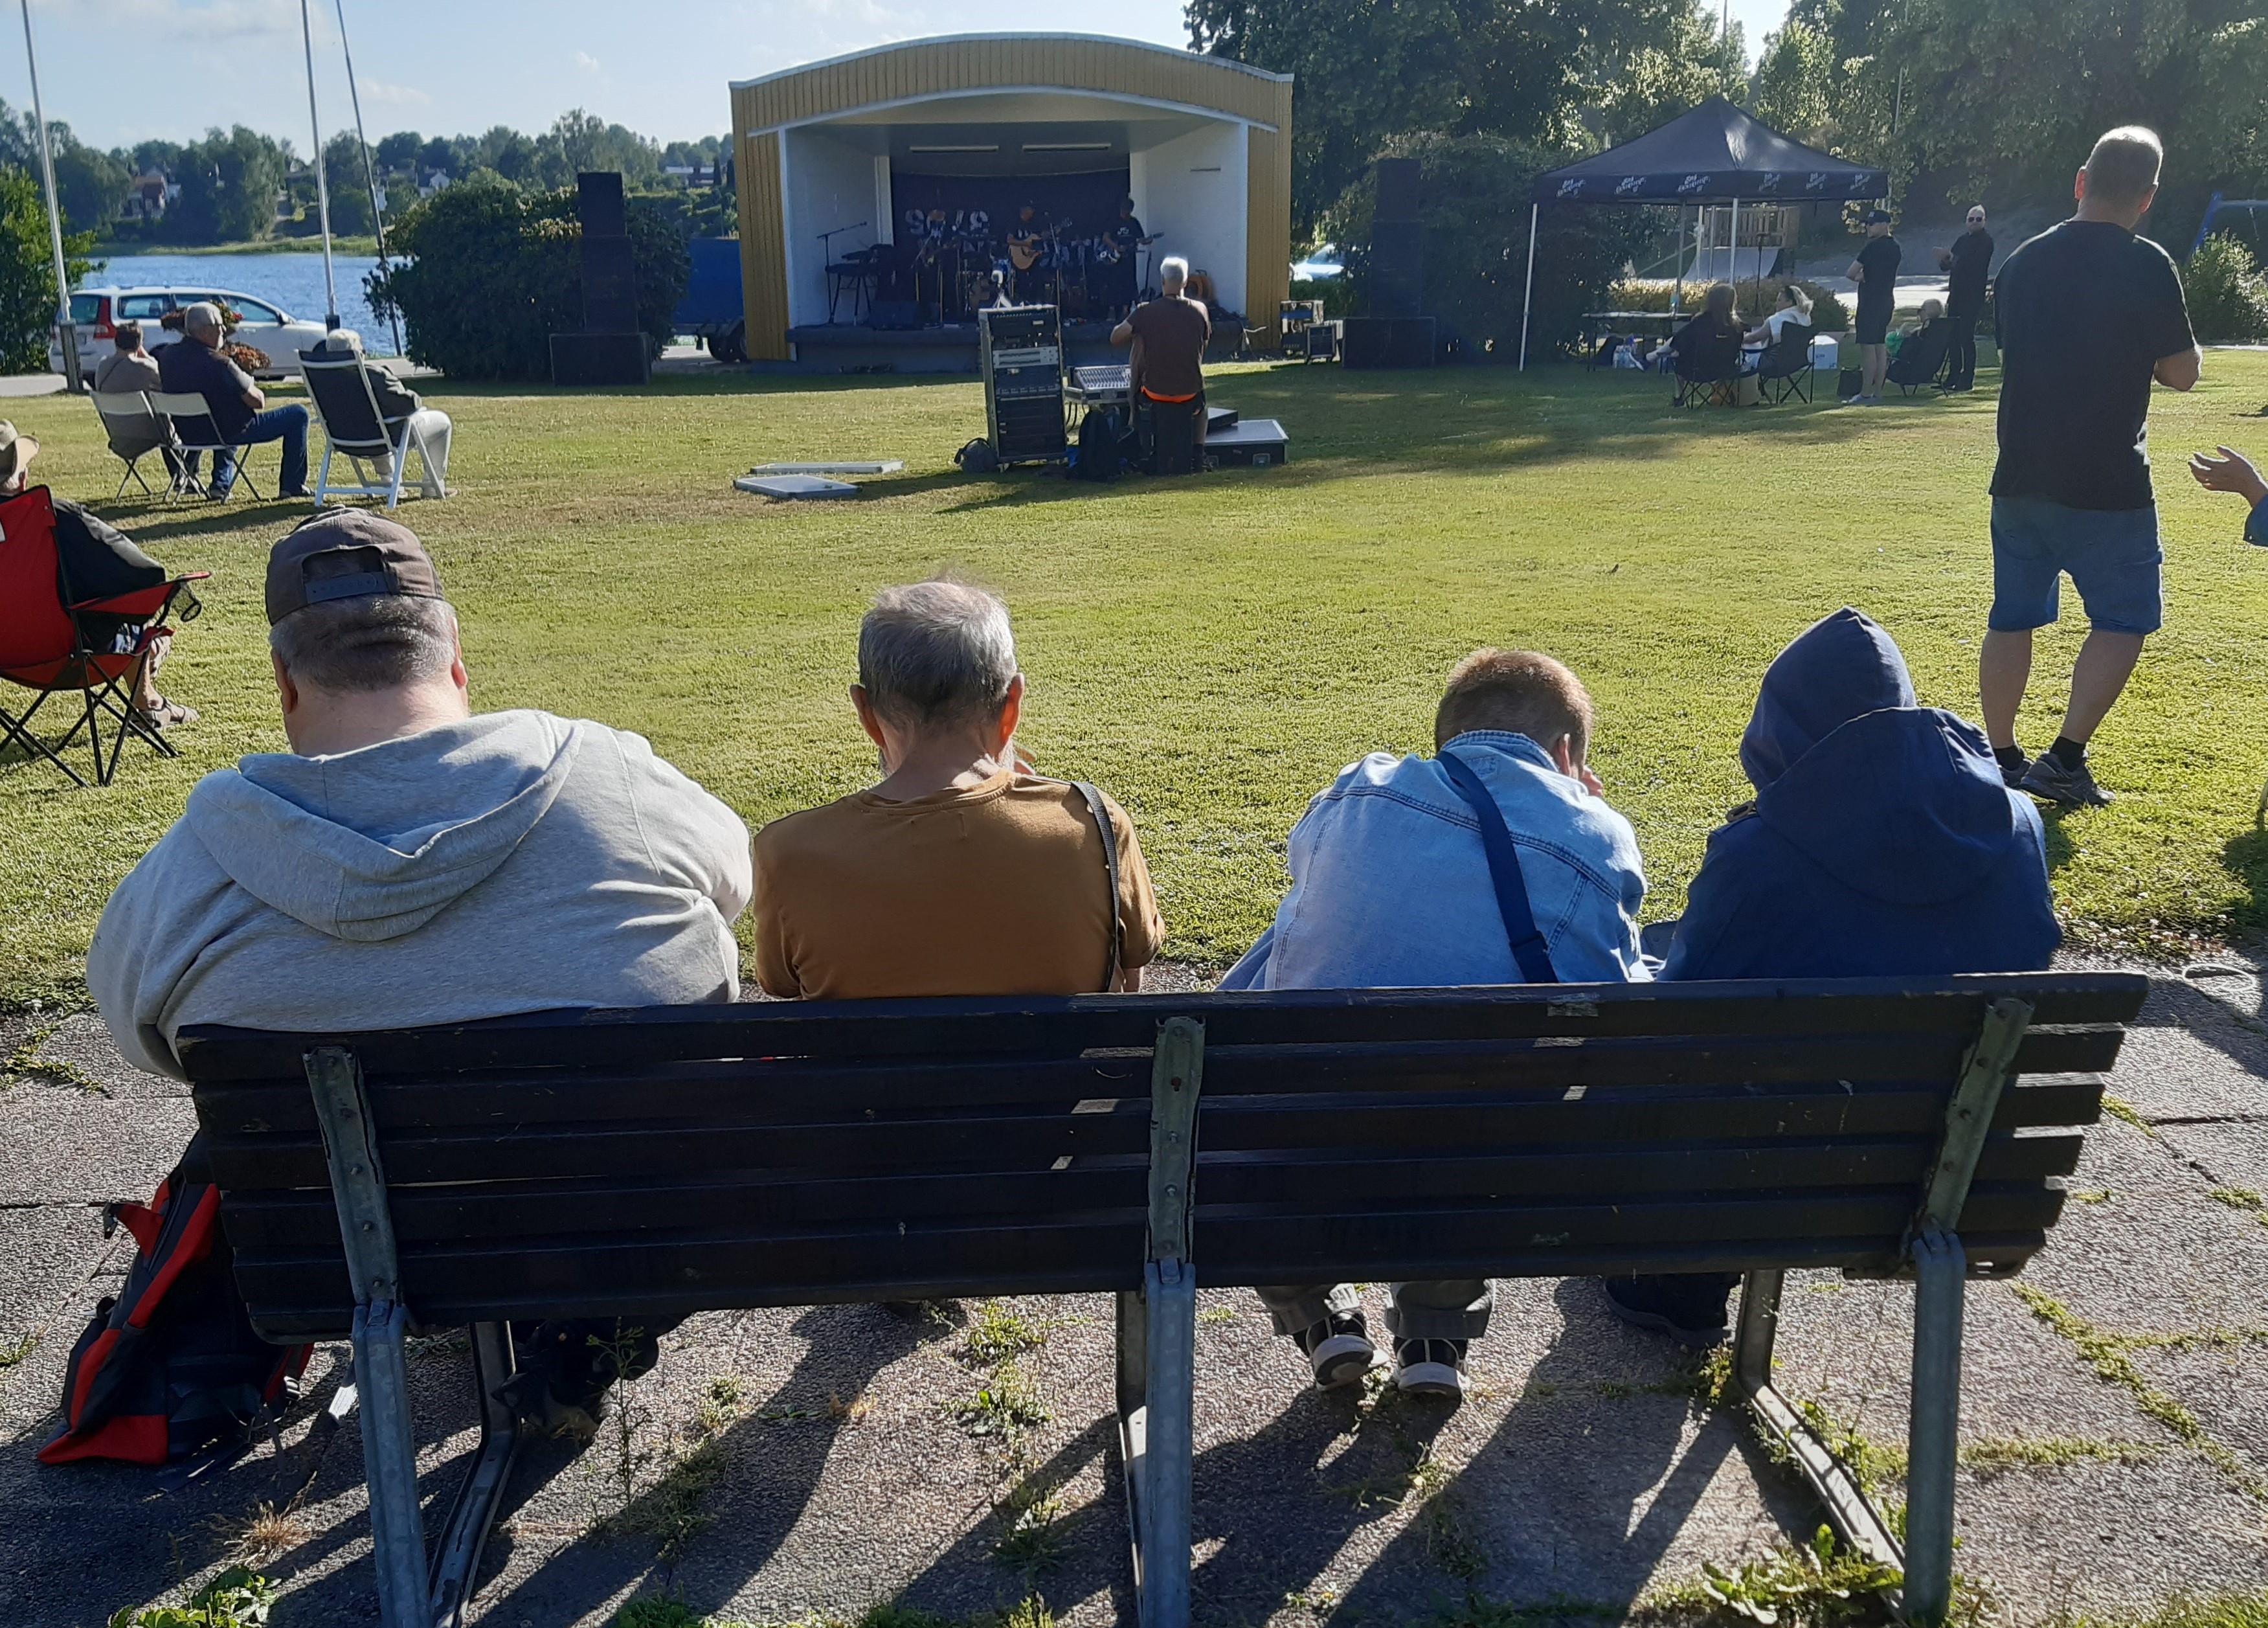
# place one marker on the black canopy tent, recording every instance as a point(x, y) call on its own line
point(1715, 153)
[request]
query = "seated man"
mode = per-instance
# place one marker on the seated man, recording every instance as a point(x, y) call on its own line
point(2233, 472)
point(961, 872)
point(198, 365)
point(1882, 841)
point(1515, 726)
point(130, 370)
point(96, 560)
point(1166, 366)
point(409, 862)
point(397, 405)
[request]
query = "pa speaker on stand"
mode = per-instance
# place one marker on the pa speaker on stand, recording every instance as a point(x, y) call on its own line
point(1393, 335)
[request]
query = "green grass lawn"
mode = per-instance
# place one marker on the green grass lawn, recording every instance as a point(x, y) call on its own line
point(1213, 649)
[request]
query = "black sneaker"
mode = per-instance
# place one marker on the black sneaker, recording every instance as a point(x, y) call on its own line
point(1430, 1367)
point(1689, 1311)
point(1338, 1349)
point(2073, 788)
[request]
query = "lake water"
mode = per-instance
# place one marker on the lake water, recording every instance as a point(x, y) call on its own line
point(292, 282)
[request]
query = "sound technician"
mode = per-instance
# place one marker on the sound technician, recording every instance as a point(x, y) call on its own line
point(1167, 371)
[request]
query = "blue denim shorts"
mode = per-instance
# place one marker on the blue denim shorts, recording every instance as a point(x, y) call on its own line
point(2111, 555)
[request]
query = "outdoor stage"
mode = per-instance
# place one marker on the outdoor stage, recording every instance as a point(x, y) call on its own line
point(895, 176)
point(855, 348)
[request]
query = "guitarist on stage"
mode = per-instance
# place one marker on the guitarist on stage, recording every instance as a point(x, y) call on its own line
point(1028, 237)
point(1127, 237)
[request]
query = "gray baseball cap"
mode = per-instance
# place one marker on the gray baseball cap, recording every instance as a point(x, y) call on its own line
point(347, 554)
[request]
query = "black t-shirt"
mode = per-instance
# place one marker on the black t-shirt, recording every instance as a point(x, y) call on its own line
point(96, 560)
point(2086, 311)
point(1878, 259)
point(1971, 269)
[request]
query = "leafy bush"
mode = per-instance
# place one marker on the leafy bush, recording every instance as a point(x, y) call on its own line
point(238, 1598)
point(27, 273)
point(1477, 190)
point(490, 273)
point(2227, 293)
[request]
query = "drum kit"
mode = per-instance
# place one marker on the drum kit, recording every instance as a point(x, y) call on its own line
point(961, 265)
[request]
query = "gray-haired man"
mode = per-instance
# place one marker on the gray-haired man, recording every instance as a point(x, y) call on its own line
point(399, 405)
point(199, 365)
point(962, 872)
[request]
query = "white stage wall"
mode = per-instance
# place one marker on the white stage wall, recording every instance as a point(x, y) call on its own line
point(1192, 190)
point(829, 183)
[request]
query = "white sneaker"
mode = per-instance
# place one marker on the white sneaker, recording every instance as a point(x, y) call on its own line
point(1339, 1350)
point(1431, 1367)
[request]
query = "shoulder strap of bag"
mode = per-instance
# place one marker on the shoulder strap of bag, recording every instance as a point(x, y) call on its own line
point(1527, 946)
point(1101, 814)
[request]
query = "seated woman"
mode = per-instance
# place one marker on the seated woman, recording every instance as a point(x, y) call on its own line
point(1708, 347)
point(1795, 312)
point(1932, 311)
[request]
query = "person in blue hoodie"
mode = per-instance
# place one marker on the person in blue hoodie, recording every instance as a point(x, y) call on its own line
point(1391, 887)
point(1882, 841)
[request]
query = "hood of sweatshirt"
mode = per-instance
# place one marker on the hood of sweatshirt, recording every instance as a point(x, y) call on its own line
point(371, 844)
point(1897, 802)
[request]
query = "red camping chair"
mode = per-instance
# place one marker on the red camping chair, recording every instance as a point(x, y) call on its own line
point(43, 648)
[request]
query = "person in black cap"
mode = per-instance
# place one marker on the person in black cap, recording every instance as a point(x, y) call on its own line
point(410, 862)
point(1876, 271)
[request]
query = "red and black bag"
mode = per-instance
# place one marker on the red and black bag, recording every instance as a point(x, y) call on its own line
point(171, 1368)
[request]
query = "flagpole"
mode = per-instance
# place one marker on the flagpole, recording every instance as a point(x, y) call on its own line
point(322, 185)
point(369, 169)
point(66, 330)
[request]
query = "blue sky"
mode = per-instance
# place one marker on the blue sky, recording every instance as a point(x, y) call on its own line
point(123, 71)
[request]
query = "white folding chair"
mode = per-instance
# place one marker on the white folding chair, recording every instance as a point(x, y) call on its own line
point(128, 414)
point(194, 423)
point(347, 407)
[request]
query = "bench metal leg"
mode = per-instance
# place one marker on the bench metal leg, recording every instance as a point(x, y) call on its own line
point(457, 1562)
point(1853, 1516)
point(1932, 1441)
point(390, 1463)
point(1134, 1415)
point(1172, 1293)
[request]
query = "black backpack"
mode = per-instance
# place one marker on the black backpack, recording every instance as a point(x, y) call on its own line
point(171, 1369)
point(1101, 454)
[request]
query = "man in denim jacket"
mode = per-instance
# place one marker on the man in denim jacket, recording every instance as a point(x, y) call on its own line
point(1390, 887)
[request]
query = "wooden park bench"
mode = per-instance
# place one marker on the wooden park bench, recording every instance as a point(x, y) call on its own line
point(649, 1164)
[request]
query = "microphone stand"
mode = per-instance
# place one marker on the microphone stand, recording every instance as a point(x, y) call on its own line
point(826, 264)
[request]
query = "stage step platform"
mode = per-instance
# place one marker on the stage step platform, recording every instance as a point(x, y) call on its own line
point(1258, 443)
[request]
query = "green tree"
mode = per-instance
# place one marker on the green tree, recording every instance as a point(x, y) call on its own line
point(492, 272)
point(1795, 87)
point(1539, 71)
point(398, 152)
point(229, 186)
point(27, 273)
point(343, 175)
point(91, 183)
point(2228, 295)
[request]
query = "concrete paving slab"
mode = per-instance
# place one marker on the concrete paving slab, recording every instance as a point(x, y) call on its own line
point(2231, 1156)
point(59, 1143)
point(51, 1251)
point(2226, 1386)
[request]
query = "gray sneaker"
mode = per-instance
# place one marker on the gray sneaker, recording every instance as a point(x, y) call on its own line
point(1339, 1350)
point(2073, 788)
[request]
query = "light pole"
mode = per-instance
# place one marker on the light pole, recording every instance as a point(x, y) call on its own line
point(322, 184)
point(66, 330)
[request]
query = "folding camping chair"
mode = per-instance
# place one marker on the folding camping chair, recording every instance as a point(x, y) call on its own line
point(347, 410)
point(1921, 357)
point(1784, 370)
point(128, 413)
point(44, 647)
point(194, 423)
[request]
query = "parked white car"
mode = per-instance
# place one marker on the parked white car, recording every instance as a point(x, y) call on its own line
point(97, 311)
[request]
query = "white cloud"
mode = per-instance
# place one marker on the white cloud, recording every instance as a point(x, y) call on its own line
point(393, 95)
point(210, 22)
point(587, 62)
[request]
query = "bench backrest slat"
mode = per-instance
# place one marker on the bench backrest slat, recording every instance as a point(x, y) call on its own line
point(679, 1160)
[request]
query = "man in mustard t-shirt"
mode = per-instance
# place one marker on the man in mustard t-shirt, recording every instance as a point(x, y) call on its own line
point(962, 872)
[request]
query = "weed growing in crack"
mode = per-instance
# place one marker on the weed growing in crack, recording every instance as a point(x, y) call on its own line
point(1815, 1586)
point(676, 1507)
point(238, 1598)
point(2119, 1108)
point(997, 1334)
point(26, 1063)
point(2108, 1354)
point(1218, 1314)
point(16, 1351)
point(1029, 1539)
point(264, 1532)
point(1005, 1408)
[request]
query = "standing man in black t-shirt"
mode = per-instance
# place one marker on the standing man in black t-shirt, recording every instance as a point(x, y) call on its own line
point(2089, 314)
point(1968, 267)
point(1876, 271)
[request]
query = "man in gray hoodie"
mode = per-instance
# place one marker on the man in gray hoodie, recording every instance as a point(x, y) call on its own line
point(408, 862)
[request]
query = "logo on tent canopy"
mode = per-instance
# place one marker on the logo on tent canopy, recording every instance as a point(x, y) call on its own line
point(1570, 188)
point(1768, 184)
point(1629, 185)
point(1693, 183)
point(1818, 182)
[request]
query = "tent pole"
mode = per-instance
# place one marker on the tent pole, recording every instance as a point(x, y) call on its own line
point(1733, 256)
point(1527, 296)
